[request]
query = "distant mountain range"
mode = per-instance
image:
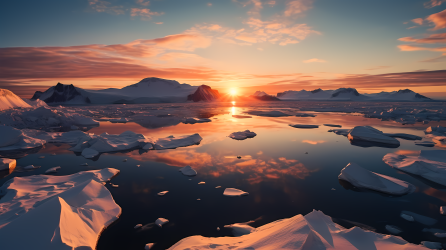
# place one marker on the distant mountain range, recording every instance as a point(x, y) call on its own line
point(157, 90)
point(351, 94)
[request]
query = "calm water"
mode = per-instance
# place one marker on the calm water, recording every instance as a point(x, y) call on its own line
point(287, 171)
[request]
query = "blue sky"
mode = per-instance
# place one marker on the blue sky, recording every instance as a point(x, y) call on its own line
point(250, 44)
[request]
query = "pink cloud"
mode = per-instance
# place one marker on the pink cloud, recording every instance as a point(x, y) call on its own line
point(315, 60)
point(418, 21)
point(297, 6)
point(417, 48)
point(107, 7)
point(142, 2)
point(209, 4)
point(438, 19)
point(145, 14)
point(433, 3)
point(434, 38)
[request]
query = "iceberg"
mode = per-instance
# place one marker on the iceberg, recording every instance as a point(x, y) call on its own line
point(363, 178)
point(429, 164)
point(89, 153)
point(52, 170)
point(56, 212)
point(7, 164)
point(14, 139)
point(234, 192)
point(172, 142)
point(188, 171)
point(438, 130)
point(370, 134)
point(161, 221)
point(242, 135)
point(314, 231)
point(193, 120)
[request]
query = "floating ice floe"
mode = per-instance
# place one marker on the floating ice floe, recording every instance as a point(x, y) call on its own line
point(429, 164)
point(432, 245)
point(242, 135)
point(312, 231)
point(370, 134)
point(109, 143)
point(14, 139)
point(193, 120)
point(52, 170)
point(234, 192)
point(343, 132)
point(425, 143)
point(188, 171)
point(333, 125)
point(411, 216)
point(440, 141)
point(239, 229)
point(201, 183)
point(120, 120)
point(304, 115)
point(393, 229)
point(182, 141)
point(31, 167)
point(137, 226)
point(148, 246)
point(404, 136)
point(161, 221)
point(438, 130)
point(56, 212)
point(443, 210)
point(7, 164)
point(84, 164)
point(273, 113)
point(363, 178)
point(89, 153)
point(304, 126)
point(163, 193)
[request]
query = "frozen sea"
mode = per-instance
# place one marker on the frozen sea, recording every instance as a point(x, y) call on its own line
point(286, 171)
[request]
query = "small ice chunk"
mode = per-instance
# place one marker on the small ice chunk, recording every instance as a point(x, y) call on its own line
point(367, 133)
point(440, 235)
point(393, 229)
point(171, 142)
point(234, 192)
point(242, 135)
point(138, 166)
point(52, 170)
point(304, 126)
point(161, 221)
point(201, 183)
point(407, 217)
point(333, 125)
point(125, 160)
point(218, 187)
point(84, 164)
point(6, 164)
point(41, 157)
point(420, 218)
point(218, 229)
point(188, 171)
point(333, 189)
point(425, 143)
point(138, 226)
point(432, 245)
point(148, 146)
point(239, 229)
point(114, 185)
point(89, 153)
point(443, 210)
point(198, 199)
point(361, 177)
point(163, 193)
point(148, 246)
point(29, 167)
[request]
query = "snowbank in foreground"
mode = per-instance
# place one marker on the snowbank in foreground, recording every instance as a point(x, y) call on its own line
point(56, 212)
point(10, 100)
point(361, 177)
point(313, 231)
point(429, 164)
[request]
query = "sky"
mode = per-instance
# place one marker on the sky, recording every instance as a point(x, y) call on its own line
point(266, 45)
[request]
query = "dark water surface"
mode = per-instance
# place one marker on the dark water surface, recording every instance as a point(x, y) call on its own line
point(287, 171)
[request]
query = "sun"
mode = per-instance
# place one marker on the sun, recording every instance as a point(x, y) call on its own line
point(233, 91)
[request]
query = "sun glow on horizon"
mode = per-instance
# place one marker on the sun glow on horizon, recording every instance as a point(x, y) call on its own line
point(233, 91)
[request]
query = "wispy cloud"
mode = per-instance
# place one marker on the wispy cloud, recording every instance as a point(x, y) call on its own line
point(434, 38)
point(438, 19)
point(433, 3)
point(314, 60)
point(145, 14)
point(143, 3)
point(405, 47)
point(297, 7)
point(418, 21)
point(107, 7)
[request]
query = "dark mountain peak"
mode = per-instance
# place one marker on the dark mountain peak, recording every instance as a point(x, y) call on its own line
point(403, 91)
point(204, 93)
point(345, 91)
point(316, 91)
point(59, 94)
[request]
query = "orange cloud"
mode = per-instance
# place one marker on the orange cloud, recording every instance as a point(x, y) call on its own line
point(142, 2)
point(145, 14)
point(297, 6)
point(315, 60)
point(434, 38)
point(418, 21)
point(433, 3)
point(417, 48)
point(438, 19)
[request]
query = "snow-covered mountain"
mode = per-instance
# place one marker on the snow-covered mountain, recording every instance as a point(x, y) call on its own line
point(351, 94)
point(148, 90)
point(400, 95)
point(10, 100)
point(259, 93)
point(204, 93)
point(262, 96)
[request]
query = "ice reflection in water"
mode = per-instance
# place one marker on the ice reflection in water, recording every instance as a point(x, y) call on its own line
point(286, 171)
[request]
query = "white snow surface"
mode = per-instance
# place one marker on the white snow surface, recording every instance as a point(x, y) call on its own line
point(367, 133)
point(239, 229)
point(361, 177)
point(429, 164)
point(9, 100)
point(56, 212)
point(188, 171)
point(7, 164)
point(242, 135)
point(314, 231)
point(14, 139)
